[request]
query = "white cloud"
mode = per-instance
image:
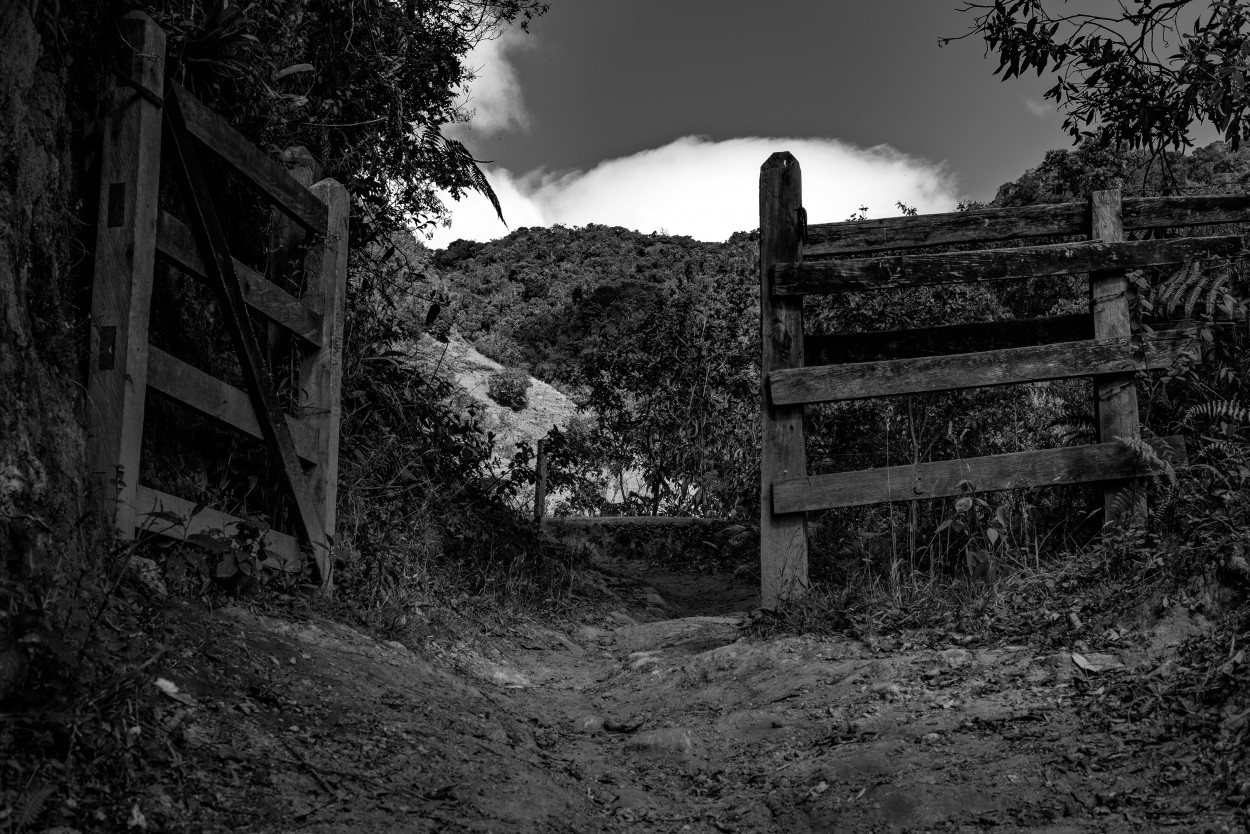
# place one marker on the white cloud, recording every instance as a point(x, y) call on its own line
point(707, 190)
point(1038, 108)
point(494, 97)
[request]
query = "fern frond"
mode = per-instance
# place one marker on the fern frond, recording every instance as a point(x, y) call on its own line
point(30, 808)
point(468, 166)
point(1169, 290)
point(1223, 447)
point(1146, 454)
point(1228, 411)
point(1082, 430)
point(463, 165)
point(1194, 282)
point(1124, 502)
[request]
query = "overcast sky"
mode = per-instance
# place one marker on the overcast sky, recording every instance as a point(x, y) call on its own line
point(657, 114)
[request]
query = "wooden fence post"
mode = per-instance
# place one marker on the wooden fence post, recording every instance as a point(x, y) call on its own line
point(122, 287)
point(540, 482)
point(783, 453)
point(1115, 395)
point(321, 372)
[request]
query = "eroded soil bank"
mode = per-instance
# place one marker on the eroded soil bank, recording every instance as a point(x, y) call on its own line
point(652, 713)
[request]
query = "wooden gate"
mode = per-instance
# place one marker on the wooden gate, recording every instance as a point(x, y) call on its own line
point(132, 231)
point(797, 260)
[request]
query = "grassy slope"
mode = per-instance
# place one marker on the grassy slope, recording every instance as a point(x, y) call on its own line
point(472, 371)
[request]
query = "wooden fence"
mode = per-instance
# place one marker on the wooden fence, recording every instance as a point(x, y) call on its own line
point(590, 521)
point(798, 368)
point(154, 127)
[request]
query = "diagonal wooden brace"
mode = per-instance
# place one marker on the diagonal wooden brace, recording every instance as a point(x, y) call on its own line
point(211, 241)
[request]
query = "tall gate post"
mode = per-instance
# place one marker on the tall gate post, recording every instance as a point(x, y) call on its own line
point(540, 482)
point(783, 452)
point(130, 160)
point(1115, 395)
point(321, 372)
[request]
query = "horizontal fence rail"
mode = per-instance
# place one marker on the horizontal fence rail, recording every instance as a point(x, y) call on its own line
point(924, 230)
point(251, 163)
point(999, 224)
point(591, 521)
point(175, 242)
point(1065, 360)
point(947, 478)
point(223, 402)
point(810, 277)
point(1182, 212)
point(160, 509)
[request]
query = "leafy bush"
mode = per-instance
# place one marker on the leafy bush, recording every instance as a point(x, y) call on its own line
point(503, 349)
point(510, 388)
point(421, 510)
point(238, 561)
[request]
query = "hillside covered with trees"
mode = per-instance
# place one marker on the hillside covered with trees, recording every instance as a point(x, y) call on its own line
point(656, 336)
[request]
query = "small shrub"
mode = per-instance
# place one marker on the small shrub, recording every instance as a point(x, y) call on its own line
point(510, 388)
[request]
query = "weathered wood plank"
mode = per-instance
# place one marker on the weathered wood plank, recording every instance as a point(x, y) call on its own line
point(578, 522)
point(783, 539)
point(811, 277)
point(1036, 363)
point(122, 285)
point(175, 241)
point(321, 372)
point(249, 162)
point(151, 504)
point(990, 225)
point(879, 345)
point(1112, 302)
point(1174, 212)
point(210, 396)
point(212, 245)
point(1018, 470)
point(981, 226)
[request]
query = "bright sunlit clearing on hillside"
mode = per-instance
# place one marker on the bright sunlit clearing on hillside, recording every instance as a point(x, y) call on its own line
point(707, 190)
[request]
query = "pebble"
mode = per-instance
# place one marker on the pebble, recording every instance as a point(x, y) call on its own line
point(677, 740)
point(955, 658)
point(589, 723)
point(594, 634)
point(632, 798)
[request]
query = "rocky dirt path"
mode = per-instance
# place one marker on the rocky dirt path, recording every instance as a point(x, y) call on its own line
point(653, 714)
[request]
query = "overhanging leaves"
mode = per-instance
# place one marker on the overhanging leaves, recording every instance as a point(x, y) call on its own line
point(1140, 77)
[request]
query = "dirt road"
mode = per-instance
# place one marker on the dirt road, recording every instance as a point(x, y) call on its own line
point(653, 714)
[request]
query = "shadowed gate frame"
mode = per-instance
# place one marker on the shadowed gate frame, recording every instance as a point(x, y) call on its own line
point(131, 231)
